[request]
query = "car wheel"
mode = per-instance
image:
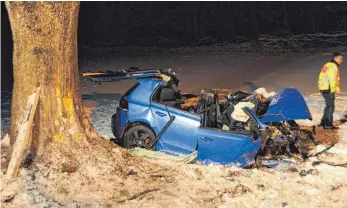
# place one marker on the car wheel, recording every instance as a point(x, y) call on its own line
point(114, 132)
point(139, 136)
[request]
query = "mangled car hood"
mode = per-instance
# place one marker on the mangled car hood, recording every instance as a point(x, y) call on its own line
point(285, 106)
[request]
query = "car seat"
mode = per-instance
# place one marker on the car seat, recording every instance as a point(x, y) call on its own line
point(226, 115)
point(167, 97)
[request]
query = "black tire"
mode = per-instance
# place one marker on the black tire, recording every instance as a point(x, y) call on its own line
point(139, 136)
point(114, 132)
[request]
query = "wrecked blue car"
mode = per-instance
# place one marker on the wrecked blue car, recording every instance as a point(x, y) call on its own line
point(154, 114)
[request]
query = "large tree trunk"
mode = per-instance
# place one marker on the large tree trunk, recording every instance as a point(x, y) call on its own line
point(45, 54)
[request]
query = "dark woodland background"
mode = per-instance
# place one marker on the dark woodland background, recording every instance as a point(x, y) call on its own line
point(182, 23)
point(112, 24)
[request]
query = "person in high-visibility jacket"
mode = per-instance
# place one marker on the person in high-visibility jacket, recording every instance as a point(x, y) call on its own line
point(329, 84)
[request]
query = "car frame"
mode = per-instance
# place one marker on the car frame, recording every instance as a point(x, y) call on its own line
point(141, 120)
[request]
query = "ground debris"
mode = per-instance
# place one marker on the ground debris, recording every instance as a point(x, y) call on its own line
point(336, 187)
point(284, 203)
point(308, 172)
point(27, 159)
point(69, 167)
point(240, 190)
point(232, 173)
point(326, 136)
point(5, 152)
point(132, 172)
point(261, 187)
point(138, 195)
point(9, 198)
point(315, 163)
point(323, 136)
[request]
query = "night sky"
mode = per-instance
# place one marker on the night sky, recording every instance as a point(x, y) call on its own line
point(172, 24)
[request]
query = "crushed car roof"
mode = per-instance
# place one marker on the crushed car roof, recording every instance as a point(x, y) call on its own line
point(111, 76)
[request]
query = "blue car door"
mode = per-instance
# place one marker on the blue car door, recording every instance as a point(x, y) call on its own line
point(179, 135)
point(226, 147)
point(160, 115)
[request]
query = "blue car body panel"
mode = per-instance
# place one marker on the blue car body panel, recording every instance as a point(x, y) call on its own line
point(181, 135)
point(224, 147)
point(139, 102)
point(160, 115)
point(123, 120)
point(287, 105)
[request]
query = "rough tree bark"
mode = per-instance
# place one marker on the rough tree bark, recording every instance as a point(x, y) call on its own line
point(45, 54)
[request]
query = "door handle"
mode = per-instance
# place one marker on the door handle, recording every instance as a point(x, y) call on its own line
point(206, 139)
point(160, 113)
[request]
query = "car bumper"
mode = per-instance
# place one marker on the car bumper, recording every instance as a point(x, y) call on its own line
point(118, 122)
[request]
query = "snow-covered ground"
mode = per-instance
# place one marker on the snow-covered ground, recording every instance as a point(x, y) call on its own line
point(316, 104)
point(106, 105)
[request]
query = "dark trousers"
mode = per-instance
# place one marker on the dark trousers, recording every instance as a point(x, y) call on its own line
point(329, 97)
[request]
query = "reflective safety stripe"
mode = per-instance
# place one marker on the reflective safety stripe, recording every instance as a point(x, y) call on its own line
point(329, 77)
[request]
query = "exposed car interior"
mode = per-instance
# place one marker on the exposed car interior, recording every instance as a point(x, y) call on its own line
point(216, 108)
point(214, 111)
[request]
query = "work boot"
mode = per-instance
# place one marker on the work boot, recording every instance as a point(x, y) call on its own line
point(331, 127)
point(322, 123)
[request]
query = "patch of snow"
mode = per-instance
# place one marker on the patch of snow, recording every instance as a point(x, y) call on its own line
point(101, 118)
point(6, 98)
